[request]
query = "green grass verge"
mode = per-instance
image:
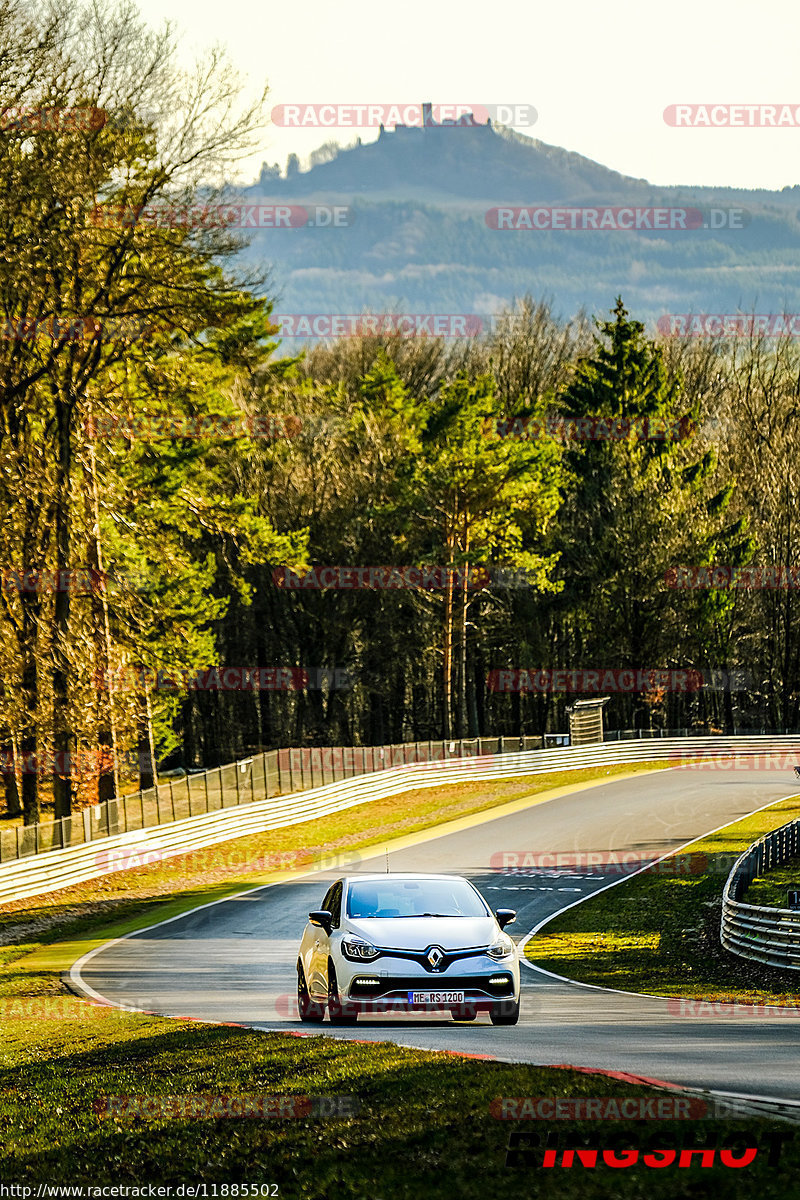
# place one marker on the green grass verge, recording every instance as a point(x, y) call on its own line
point(658, 932)
point(423, 1129)
point(771, 888)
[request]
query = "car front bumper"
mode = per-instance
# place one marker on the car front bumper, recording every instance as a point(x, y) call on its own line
point(373, 993)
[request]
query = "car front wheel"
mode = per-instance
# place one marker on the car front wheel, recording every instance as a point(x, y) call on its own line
point(505, 1013)
point(340, 1014)
point(309, 1009)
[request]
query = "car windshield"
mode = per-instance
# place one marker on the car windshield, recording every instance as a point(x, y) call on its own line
point(414, 898)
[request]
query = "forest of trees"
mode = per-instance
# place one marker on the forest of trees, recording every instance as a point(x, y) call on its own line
point(164, 464)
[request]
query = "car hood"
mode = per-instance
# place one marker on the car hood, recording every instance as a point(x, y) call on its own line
point(417, 933)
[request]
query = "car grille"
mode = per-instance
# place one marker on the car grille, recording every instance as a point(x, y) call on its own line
point(409, 983)
point(420, 956)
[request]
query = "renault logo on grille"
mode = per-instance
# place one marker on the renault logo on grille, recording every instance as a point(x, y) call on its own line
point(435, 956)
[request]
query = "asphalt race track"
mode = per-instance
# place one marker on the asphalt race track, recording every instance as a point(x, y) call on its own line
point(235, 960)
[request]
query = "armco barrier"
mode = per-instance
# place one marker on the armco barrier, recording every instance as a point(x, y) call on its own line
point(57, 868)
point(274, 773)
point(766, 935)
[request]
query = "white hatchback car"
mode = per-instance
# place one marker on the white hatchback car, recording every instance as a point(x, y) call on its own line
point(408, 943)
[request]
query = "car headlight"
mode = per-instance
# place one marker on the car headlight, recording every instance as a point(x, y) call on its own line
point(502, 948)
point(359, 950)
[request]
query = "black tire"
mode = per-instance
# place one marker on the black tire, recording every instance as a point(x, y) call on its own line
point(505, 1013)
point(309, 1009)
point(464, 1012)
point(340, 1014)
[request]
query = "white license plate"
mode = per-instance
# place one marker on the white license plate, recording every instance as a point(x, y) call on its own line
point(435, 997)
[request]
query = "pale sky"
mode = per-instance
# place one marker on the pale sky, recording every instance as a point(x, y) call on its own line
point(599, 76)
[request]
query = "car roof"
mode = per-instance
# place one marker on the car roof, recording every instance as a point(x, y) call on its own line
point(417, 875)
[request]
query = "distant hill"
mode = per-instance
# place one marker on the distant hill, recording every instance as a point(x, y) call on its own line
point(457, 164)
point(419, 239)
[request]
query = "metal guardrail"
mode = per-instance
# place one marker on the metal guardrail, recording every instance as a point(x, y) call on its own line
point(36, 874)
point(754, 931)
point(259, 777)
point(279, 772)
point(623, 735)
point(40, 873)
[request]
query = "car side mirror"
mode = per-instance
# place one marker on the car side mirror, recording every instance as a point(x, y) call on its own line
point(505, 916)
point(323, 918)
